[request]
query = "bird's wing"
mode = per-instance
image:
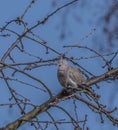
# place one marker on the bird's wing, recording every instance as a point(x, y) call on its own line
point(75, 74)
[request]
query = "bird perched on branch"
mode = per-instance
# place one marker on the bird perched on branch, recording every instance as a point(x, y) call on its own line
point(68, 76)
point(71, 78)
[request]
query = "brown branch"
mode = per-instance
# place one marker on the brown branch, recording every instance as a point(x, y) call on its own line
point(31, 28)
point(111, 73)
point(100, 110)
point(54, 100)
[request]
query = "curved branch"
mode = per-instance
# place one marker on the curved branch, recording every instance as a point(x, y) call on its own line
point(54, 100)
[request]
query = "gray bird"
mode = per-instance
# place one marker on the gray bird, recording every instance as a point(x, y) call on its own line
point(71, 78)
point(68, 76)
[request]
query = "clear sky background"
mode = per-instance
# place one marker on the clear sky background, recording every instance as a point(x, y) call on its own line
point(74, 22)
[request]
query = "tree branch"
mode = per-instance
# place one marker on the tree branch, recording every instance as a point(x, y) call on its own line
point(54, 100)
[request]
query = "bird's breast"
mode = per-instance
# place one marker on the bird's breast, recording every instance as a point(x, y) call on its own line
point(62, 77)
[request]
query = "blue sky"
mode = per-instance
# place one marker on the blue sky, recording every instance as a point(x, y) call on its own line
point(80, 20)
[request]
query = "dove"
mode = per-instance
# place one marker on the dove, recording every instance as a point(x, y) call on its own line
point(68, 76)
point(71, 78)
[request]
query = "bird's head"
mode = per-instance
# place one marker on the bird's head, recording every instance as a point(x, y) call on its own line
point(62, 63)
